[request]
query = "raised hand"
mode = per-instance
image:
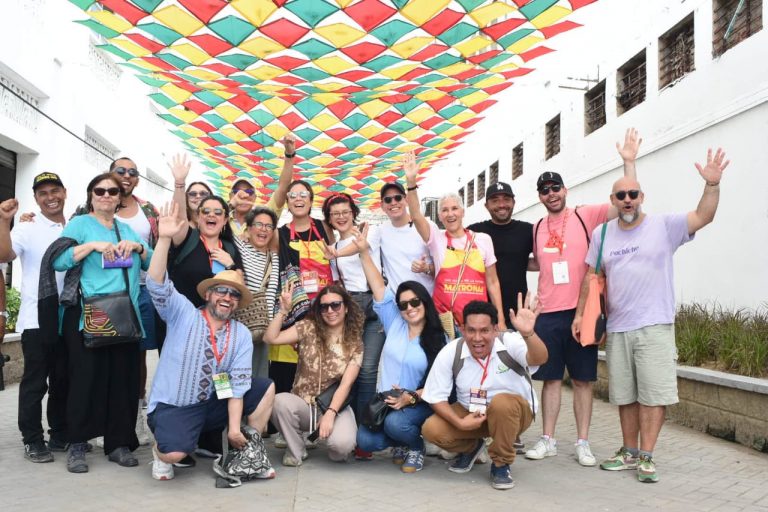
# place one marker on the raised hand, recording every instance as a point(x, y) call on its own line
point(713, 171)
point(8, 209)
point(410, 166)
point(527, 312)
point(631, 147)
point(286, 298)
point(180, 166)
point(169, 225)
point(361, 238)
point(329, 253)
point(222, 257)
point(289, 142)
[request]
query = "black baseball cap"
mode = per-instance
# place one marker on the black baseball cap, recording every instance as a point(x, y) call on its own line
point(549, 177)
point(391, 184)
point(499, 188)
point(46, 177)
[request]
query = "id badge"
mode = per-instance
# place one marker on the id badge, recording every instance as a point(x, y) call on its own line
point(222, 385)
point(560, 272)
point(309, 281)
point(478, 400)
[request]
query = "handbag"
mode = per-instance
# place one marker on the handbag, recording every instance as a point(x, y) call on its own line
point(110, 319)
point(446, 317)
point(250, 462)
point(255, 316)
point(377, 408)
point(299, 299)
point(594, 318)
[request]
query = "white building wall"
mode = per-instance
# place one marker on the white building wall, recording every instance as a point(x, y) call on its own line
point(722, 103)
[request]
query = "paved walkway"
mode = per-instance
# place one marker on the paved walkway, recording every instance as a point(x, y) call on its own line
point(698, 472)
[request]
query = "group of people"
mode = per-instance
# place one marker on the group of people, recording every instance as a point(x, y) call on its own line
point(297, 333)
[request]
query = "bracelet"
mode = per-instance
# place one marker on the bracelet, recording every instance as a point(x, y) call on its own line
point(525, 337)
point(713, 184)
point(411, 189)
point(179, 185)
point(141, 250)
point(290, 155)
point(333, 410)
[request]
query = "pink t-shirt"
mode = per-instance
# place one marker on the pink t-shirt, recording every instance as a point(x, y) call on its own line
point(564, 296)
point(438, 244)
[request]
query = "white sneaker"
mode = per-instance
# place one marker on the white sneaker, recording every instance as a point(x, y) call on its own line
point(544, 447)
point(161, 470)
point(584, 454)
point(280, 441)
point(100, 441)
point(483, 457)
point(431, 450)
point(446, 455)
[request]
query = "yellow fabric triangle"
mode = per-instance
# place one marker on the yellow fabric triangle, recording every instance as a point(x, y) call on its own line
point(261, 47)
point(410, 46)
point(396, 72)
point(488, 82)
point(255, 11)
point(276, 131)
point(430, 95)
point(266, 72)
point(326, 99)
point(185, 115)
point(456, 130)
point(525, 43)
point(276, 106)
point(374, 108)
point(203, 74)
point(131, 47)
point(484, 15)
point(340, 34)
point(369, 131)
point(229, 112)
point(343, 3)
point(198, 144)
point(421, 11)
point(455, 69)
point(330, 87)
point(323, 121)
point(111, 20)
point(507, 66)
point(470, 46)
point(322, 160)
point(191, 53)
point(333, 64)
point(414, 133)
point(232, 132)
point(419, 114)
point(474, 98)
point(550, 16)
point(178, 19)
point(193, 131)
point(177, 94)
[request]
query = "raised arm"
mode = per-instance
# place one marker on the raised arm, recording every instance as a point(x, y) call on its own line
point(273, 335)
point(628, 153)
point(372, 274)
point(168, 225)
point(418, 218)
point(712, 173)
point(286, 175)
point(180, 169)
point(8, 209)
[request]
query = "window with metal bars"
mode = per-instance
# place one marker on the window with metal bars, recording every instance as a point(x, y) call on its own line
point(594, 108)
point(630, 84)
point(493, 173)
point(481, 185)
point(676, 56)
point(552, 137)
point(517, 161)
point(470, 193)
point(733, 21)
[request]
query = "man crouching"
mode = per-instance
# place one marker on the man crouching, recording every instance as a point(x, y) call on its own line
point(491, 371)
point(205, 351)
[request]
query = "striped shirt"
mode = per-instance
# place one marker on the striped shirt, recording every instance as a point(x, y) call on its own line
point(254, 265)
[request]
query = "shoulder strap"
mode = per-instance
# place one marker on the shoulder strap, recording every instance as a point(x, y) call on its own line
point(584, 226)
point(193, 238)
point(536, 235)
point(458, 362)
point(600, 252)
point(125, 270)
point(467, 248)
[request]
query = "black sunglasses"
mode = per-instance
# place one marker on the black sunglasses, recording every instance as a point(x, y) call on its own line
point(224, 290)
point(414, 303)
point(621, 194)
point(132, 172)
point(215, 211)
point(112, 191)
point(326, 306)
point(248, 191)
point(396, 197)
point(544, 191)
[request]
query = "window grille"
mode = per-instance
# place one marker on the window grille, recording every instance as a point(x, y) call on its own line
point(594, 108)
point(470, 193)
point(481, 185)
point(552, 138)
point(630, 86)
point(676, 52)
point(517, 161)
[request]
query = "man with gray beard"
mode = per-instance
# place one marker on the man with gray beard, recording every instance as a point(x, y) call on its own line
point(636, 260)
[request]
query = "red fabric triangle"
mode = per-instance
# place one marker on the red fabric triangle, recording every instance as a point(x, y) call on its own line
point(535, 52)
point(287, 62)
point(499, 30)
point(204, 10)
point(247, 126)
point(212, 45)
point(284, 31)
point(442, 22)
point(558, 28)
point(128, 11)
point(341, 108)
point(428, 52)
point(363, 52)
point(369, 13)
point(291, 120)
point(196, 106)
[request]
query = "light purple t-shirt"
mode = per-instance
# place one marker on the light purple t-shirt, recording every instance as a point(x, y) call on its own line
point(639, 271)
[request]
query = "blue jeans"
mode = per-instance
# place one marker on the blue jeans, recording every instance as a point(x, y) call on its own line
point(401, 428)
point(373, 343)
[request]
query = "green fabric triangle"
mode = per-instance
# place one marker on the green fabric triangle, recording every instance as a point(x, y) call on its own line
point(464, 92)
point(83, 4)
point(309, 108)
point(209, 98)
point(232, 29)
point(389, 33)
point(311, 12)
point(442, 61)
point(147, 5)
point(152, 82)
point(182, 135)
point(245, 79)
point(449, 112)
point(220, 138)
point(171, 119)
point(458, 33)
point(162, 33)
point(432, 77)
point(536, 7)
point(239, 60)
point(215, 119)
point(470, 5)
point(310, 74)
point(382, 62)
point(495, 61)
point(307, 134)
point(313, 48)
point(307, 153)
point(162, 99)
point(261, 117)
point(400, 127)
point(115, 51)
point(173, 60)
point(514, 37)
point(99, 28)
point(356, 121)
point(406, 106)
point(353, 142)
point(373, 83)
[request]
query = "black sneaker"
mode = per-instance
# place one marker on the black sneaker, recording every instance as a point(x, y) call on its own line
point(76, 458)
point(186, 462)
point(57, 445)
point(500, 478)
point(37, 451)
point(123, 457)
point(464, 462)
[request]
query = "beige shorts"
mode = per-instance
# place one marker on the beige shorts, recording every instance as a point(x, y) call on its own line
point(642, 366)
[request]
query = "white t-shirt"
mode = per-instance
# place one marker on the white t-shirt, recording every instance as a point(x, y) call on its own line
point(401, 246)
point(140, 224)
point(352, 268)
point(500, 379)
point(30, 240)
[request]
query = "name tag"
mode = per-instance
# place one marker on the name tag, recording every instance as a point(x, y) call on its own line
point(309, 281)
point(560, 272)
point(478, 400)
point(222, 385)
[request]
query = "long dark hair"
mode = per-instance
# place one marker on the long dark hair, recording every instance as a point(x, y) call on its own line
point(432, 338)
point(92, 184)
point(339, 198)
point(353, 319)
point(226, 231)
point(190, 211)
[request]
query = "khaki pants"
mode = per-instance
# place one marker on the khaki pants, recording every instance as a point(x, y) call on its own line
point(291, 416)
point(508, 416)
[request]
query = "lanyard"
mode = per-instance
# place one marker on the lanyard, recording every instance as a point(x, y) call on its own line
point(214, 344)
point(210, 258)
point(484, 367)
point(307, 243)
point(450, 239)
point(554, 240)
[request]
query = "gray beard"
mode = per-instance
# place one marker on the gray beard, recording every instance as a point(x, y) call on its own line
point(630, 218)
point(218, 316)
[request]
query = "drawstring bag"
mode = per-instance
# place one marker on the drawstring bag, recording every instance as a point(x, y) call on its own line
point(250, 462)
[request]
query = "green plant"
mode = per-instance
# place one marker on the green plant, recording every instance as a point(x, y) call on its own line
point(12, 304)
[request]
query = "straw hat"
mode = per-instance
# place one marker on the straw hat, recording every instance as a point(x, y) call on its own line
point(227, 278)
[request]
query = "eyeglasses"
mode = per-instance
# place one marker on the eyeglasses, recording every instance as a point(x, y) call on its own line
point(303, 194)
point(333, 306)
point(226, 290)
point(112, 191)
point(215, 211)
point(544, 191)
point(338, 215)
point(621, 194)
point(396, 197)
point(122, 171)
point(262, 225)
point(248, 191)
point(195, 193)
point(414, 303)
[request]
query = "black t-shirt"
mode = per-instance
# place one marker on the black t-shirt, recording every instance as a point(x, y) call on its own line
point(189, 272)
point(290, 255)
point(512, 244)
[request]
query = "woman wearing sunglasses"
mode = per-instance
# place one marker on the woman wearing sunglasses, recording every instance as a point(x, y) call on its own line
point(330, 353)
point(104, 382)
point(262, 272)
point(414, 336)
point(195, 193)
point(340, 211)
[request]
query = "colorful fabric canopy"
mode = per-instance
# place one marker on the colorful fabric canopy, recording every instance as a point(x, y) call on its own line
point(359, 82)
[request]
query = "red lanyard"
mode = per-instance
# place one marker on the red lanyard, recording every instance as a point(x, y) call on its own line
point(214, 344)
point(306, 243)
point(450, 240)
point(484, 367)
point(210, 258)
point(554, 240)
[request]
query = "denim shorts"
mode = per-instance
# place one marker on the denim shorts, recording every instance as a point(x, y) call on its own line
point(177, 429)
point(554, 329)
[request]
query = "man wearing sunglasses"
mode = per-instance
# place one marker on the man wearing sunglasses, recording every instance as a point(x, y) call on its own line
point(404, 255)
point(560, 243)
point(204, 380)
point(637, 261)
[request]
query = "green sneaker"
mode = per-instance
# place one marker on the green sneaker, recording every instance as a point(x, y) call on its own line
point(646, 470)
point(622, 460)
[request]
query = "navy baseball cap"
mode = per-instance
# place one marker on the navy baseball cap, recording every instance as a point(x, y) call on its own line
point(549, 176)
point(499, 188)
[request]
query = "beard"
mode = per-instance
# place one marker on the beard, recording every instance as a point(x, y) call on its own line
point(214, 312)
point(629, 218)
